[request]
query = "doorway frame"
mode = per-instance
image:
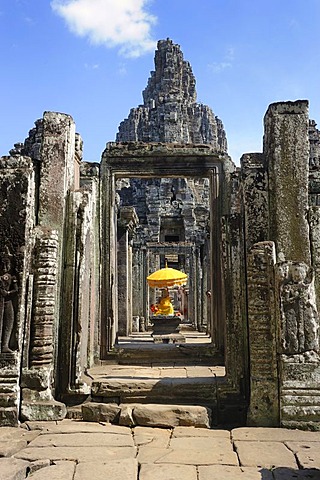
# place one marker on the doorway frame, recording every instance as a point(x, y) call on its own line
point(150, 160)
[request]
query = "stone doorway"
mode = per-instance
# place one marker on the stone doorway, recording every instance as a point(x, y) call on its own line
point(136, 161)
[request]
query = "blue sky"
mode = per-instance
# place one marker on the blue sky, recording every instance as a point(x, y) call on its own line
point(92, 58)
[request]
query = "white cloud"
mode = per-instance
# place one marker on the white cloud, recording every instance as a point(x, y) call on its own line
point(114, 23)
point(122, 70)
point(219, 67)
point(91, 66)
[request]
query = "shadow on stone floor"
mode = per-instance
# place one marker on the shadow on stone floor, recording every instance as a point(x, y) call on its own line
point(284, 473)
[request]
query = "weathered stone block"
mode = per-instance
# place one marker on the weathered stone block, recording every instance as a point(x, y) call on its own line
point(171, 415)
point(101, 412)
point(48, 410)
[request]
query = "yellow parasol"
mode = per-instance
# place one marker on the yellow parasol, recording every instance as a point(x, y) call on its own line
point(167, 277)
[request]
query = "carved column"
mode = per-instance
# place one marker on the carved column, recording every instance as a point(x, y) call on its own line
point(264, 401)
point(299, 349)
point(255, 198)
point(16, 222)
point(45, 299)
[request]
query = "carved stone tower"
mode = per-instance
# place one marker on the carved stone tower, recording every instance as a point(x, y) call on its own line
point(172, 210)
point(170, 112)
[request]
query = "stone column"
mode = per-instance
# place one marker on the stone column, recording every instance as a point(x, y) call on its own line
point(37, 392)
point(314, 221)
point(128, 221)
point(17, 218)
point(286, 148)
point(44, 299)
point(254, 198)
point(264, 399)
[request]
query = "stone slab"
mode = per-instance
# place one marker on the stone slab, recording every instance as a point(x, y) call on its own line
point(168, 472)
point(201, 443)
point(308, 453)
point(130, 373)
point(80, 454)
point(16, 433)
point(13, 469)
point(154, 437)
point(291, 474)
point(224, 472)
point(181, 456)
point(266, 434)
point(199, 432)
point(171, 415)
point(127, 469)
point(173, 373)
point(59, 471)
point(264, 454)
point(76, 426)
point(82, 439)
point(100, 412)
point(199, 372)
point(10, 447)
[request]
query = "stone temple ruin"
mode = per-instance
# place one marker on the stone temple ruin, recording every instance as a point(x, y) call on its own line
point(78, 240)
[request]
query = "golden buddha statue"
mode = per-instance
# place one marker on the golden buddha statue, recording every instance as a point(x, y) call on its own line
point(164, 307)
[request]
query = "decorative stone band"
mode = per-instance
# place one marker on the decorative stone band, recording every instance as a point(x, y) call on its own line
point(45, 289)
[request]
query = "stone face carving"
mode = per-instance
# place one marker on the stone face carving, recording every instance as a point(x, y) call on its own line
point(170, 112)
point(8, 292)
point(298, 311)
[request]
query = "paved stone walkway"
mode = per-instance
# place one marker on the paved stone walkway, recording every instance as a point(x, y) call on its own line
point(75, 450)
point(155, 372)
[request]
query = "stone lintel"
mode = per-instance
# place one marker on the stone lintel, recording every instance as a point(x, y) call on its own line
point(137, 159)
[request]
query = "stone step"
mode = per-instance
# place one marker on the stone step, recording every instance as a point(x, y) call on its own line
point(194, 391)
point(147, 415)
point(148, 354)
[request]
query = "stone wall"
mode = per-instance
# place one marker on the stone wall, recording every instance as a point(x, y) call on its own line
point(17, 197)
point(42, 209)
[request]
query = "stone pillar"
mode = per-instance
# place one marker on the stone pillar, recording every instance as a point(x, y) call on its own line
point(37, 389)
point(299, 346)
point(108, 295)
point(58, 166)
point(314, 221)
point(286, 148)
point(264, 399)
point(16, 222)
point(90, 184)
point(44, 299)
point(78, 331)
point(127, 223)
point(139, 275)
point(254, 198)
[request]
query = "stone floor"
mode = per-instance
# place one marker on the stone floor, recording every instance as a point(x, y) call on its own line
point(168, 370)
point(74, 450)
